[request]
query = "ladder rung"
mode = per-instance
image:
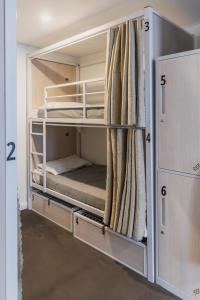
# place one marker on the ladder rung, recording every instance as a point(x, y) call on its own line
point(37, 133)
point(37, 123)
point(37, 172)
point(37, 153)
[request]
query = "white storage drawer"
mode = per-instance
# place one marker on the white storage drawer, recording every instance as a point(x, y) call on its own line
point(128, 252)
point(39, 203)
point(54, 211)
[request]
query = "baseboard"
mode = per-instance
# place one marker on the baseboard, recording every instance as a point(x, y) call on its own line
point(23, 205)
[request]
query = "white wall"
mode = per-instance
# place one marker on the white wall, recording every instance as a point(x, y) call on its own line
point(94, 145)
point(22, 158)
point(9, 259)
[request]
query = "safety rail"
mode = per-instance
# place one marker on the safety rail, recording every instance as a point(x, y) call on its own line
point(83, 87)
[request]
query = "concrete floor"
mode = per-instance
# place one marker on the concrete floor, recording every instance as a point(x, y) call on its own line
point(59, 267)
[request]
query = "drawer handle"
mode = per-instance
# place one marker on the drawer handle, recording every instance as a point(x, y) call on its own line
point(77, 220)
point(103, 229)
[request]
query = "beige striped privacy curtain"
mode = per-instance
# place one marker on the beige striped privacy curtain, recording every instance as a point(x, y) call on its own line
point(125, 210)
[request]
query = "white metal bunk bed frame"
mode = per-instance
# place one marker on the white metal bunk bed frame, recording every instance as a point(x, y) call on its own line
point(43, 187)
point(83, 105)
point(147, 14)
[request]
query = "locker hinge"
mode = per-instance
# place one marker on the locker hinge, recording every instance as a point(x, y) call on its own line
point(196, 291)
point(148, 138)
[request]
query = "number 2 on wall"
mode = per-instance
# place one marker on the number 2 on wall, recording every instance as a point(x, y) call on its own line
point(12, 147)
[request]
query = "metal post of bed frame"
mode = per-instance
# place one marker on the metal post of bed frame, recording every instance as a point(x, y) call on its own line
point(31, 165)
point(79, 132)
point(45, 102)
point(148, 19)
point(84, 100)
point(44, 158)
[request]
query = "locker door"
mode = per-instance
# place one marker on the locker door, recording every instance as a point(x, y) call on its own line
point(178, 234)
point(179, 114)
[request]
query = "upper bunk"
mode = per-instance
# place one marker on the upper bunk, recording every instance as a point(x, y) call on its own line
point(68, 86)
point(69, 81)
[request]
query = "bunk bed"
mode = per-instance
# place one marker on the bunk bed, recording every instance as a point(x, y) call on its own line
point(130, 137)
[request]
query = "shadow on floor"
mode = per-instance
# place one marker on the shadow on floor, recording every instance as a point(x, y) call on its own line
point(59, 267)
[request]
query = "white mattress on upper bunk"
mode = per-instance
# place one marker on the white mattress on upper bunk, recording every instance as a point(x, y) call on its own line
point(71, 110)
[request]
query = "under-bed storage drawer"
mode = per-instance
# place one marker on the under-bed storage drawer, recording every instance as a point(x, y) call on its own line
point(54, 211)
point(128, 252)
point(39, 203)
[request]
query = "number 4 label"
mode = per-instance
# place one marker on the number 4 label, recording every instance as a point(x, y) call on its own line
point(11, 155)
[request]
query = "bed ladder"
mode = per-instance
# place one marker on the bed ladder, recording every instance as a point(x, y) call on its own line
point(42, 154)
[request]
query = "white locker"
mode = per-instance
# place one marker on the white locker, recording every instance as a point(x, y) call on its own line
point(178, 115)
point(178, 232)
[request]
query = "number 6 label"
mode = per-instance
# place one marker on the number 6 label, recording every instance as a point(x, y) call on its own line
point(163, 190)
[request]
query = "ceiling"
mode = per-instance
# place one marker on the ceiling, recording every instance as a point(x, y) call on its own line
point(43, 22)
point(31, 29)
point(90, 46)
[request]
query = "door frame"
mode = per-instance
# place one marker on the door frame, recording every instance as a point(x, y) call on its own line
point(8, 177)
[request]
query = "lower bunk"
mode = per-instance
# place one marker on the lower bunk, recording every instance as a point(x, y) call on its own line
point(90, 229)
point(84, 187)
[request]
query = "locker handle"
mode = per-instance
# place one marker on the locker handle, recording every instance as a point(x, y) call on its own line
point(163, 211)
point(163, 100)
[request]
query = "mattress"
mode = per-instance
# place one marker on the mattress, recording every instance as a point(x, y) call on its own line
point(87, 185)
point(92, 113)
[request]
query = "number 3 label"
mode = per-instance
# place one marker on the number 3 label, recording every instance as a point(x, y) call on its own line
point(146, 26)
point(12, 147)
